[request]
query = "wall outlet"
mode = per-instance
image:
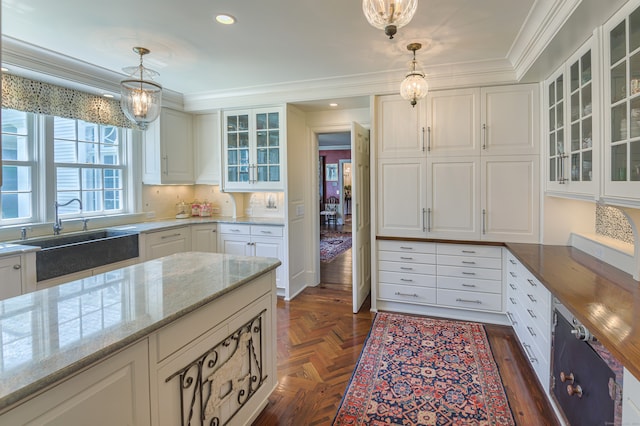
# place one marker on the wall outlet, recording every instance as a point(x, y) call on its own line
point(151, 215)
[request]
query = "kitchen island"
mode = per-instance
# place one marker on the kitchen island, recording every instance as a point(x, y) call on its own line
point(175, 340)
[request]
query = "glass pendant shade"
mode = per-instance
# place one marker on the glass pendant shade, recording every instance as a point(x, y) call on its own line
point(141, 98)
point(414, 86)
point(389, 15)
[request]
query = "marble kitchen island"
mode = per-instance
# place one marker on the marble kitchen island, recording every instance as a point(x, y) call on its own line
point(185, 339)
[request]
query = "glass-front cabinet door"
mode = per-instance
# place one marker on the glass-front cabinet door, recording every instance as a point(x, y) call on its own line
point(253, 150)
point(622, 104)
point(572, 152)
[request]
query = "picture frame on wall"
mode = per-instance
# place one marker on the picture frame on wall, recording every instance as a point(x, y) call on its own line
point(331, 172)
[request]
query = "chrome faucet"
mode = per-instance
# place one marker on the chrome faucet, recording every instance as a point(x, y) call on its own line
point(57, 225)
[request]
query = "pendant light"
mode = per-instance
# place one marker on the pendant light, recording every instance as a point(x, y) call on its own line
point(414, 86)
point(389, 15)
point(141, 96)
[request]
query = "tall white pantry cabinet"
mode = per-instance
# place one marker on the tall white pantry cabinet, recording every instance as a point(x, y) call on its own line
point(462, 165)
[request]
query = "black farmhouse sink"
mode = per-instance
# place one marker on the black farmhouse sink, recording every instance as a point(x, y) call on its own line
point(65, 254)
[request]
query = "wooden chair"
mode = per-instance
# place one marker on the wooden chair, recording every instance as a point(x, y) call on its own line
point(330, 212)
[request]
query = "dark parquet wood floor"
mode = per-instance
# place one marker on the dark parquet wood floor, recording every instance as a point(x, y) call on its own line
point(319, 342)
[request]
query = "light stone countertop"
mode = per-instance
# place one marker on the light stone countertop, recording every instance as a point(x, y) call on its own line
point(19, 247)
point(52, 333)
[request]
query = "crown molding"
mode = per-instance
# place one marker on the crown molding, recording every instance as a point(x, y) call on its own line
point(545, 20)
point(30, 61)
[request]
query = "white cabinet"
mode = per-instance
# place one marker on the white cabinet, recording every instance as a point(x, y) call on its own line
point(113, 392)
point(204, 237)
point(163, 243)
point(622, 105)
point(400, 128)
point(453, 122)
point(630, 399)
point(11, 273)
point(255, 240)
point(207, 149)
point(463, 186)
point(254, 150)
point(573, 123)
point(168, 149)
point(529, 308)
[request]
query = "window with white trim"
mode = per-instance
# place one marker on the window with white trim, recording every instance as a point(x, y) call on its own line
point(79, 160)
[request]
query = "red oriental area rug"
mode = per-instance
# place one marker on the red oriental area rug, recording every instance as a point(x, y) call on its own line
point(424, 371)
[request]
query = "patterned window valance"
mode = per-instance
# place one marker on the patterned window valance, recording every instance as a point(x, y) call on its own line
point(28, 95)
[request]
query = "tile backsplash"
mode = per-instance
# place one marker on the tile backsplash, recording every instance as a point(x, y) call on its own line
point(612, 223)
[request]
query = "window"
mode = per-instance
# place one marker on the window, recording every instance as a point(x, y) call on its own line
point(18, 166)
point(88, 162)
point(78, 160)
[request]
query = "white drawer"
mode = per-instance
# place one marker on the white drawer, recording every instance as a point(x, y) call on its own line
point(406, 293)
point(535, 291)
point(407, 246)
point(471, 262)
point(462, 272)
point(395, 256)
point(469, 250)
point(407, 279)
point(232, 228)
point(409, 268)
point(470, 284)
point(471, 300)
point(267, 231)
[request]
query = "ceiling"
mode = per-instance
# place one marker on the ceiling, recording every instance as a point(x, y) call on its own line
point(273, 41)
point(317, 49)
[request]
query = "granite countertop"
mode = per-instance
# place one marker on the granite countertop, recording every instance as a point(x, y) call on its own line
point(605, 299)
point(52, 333)
point(19, 247)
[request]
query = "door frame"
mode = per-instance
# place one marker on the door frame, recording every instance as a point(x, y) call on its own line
point(341, 164)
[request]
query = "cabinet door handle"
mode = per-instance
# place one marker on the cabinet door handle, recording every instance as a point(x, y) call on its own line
point(468, 285)
point(513, 301)
point(528, 349)
point(423, 139)
point(512, 286)
point(531, 331)
point(406, 248)
point(405, 268)
point(406, 280)
point(510, 315)
point(513, 274)
point(469, 251)
point(484, 136)
point(468, 273)
point(531, 313)
point(429, 139)
point(513, 262)
point(397, 293)
point(166, 164)
point(406, 258)
point(17, 266)
point(424, 226)
point(429, 219)
point(533, 299)
point(468, 262)
point(170, 236)
point(484, 221)
point(532, 282)
point(213, 230)
point(234, 230)
point(266, 232)
point(479, 302)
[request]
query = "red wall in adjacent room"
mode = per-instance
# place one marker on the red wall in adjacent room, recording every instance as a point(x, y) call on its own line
point(332, 157)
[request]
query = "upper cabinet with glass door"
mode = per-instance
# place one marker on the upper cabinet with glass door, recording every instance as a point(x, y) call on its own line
point(254, 150)
point(572, 155)
point(622, 105)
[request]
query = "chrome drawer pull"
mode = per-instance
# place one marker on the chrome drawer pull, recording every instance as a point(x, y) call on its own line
point(531, 331)
point(532, 282)
point(17, 266)
point(266, 232)
point(510, 315)
point(533, 315)
point(513, 274)
point(533, 299)
point(466, 262)
point(513, 262)
point(469, 251)
point(469, 301)
point(404, 268)
point(406, 258)
point(513, 287)
point(468, 273)
point(512, 300)
point(169, 236)
point(406, 280)
point(468, 285)
point(406, 248)
point(397, 293)
point(234, 230)
point(531, 357)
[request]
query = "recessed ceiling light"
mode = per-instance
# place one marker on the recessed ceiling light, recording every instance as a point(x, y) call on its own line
point(108, 95)
point(225, 19)
point(333, 104)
